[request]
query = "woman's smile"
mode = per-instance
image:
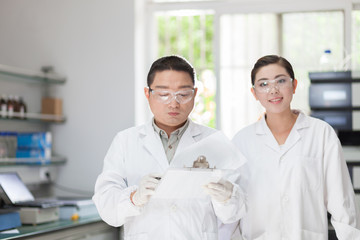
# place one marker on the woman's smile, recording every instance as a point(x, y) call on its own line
point(276, 100)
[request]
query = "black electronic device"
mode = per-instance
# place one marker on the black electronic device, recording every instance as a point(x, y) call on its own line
point(349, 138)
point(338, 76)
point(330, 96)
point(339, 120)
point(335, 98)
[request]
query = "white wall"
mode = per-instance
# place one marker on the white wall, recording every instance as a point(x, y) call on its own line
point(91, 42)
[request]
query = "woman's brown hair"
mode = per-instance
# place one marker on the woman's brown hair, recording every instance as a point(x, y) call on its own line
point(271, 59)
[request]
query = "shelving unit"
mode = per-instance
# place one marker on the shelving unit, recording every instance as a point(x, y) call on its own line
point(36, 117)
point(45, 77)
point(55, 160)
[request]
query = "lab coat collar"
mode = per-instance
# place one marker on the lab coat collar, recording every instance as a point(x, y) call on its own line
point(302, 120)
point(262, 129)
point(152, 141)
point(189, 136)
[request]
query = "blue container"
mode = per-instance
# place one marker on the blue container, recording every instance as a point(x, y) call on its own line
point(44, 153)
point(9, 220)
point(34, 140)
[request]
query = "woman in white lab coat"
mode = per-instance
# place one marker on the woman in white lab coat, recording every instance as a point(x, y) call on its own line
point(296, 166)
point(137, 157)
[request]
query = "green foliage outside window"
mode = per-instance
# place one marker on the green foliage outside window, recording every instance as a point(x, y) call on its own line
point(192, 36)
point(356, 41)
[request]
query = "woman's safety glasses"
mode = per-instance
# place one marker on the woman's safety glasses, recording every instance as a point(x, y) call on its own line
point(166, 97)
point(264, 86)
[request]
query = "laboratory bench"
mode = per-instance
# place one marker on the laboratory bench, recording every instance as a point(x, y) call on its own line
point(90, 228)
point(93, 228)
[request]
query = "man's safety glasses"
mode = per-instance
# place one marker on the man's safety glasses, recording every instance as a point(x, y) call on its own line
point(264, 86)
point(166, 97)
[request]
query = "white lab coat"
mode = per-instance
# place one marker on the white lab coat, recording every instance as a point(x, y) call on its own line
point(136, 152)
point(291, 187)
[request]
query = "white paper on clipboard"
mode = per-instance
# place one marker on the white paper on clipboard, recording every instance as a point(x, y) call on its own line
point(180, 183)
point(219, 151)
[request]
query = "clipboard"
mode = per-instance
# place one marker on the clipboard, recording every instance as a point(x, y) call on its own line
point(218, 150)
point(185, 183)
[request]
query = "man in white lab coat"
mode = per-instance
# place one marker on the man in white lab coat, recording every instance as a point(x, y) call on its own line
point(139, 156)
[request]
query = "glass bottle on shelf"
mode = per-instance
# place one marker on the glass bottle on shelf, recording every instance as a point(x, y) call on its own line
point(3, 106)
point(16, 106)
point(10, 107)
point(22, 108)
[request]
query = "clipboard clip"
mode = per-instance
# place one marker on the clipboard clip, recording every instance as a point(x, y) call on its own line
point(201, 163)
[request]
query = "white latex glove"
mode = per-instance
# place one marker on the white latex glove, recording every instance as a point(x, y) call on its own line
point(146, 189)
point(220, 191)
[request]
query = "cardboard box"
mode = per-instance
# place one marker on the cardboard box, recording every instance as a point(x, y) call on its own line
point(51, 106)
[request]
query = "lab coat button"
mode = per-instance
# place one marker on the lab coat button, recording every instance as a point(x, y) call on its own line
point(173, 208)
point(286, 198)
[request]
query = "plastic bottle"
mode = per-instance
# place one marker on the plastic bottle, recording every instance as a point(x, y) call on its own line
point(327, 61)
point(3, 106)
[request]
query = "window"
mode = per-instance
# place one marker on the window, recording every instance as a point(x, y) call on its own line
point(355, 56)
point(243, 38)
point(223, 41)
point(304, 43)
point(190, 34)
point(167, 1)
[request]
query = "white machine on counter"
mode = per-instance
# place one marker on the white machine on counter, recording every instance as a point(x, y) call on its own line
point(36, 215)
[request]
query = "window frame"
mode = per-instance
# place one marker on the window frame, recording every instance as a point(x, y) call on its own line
point(145, 24)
